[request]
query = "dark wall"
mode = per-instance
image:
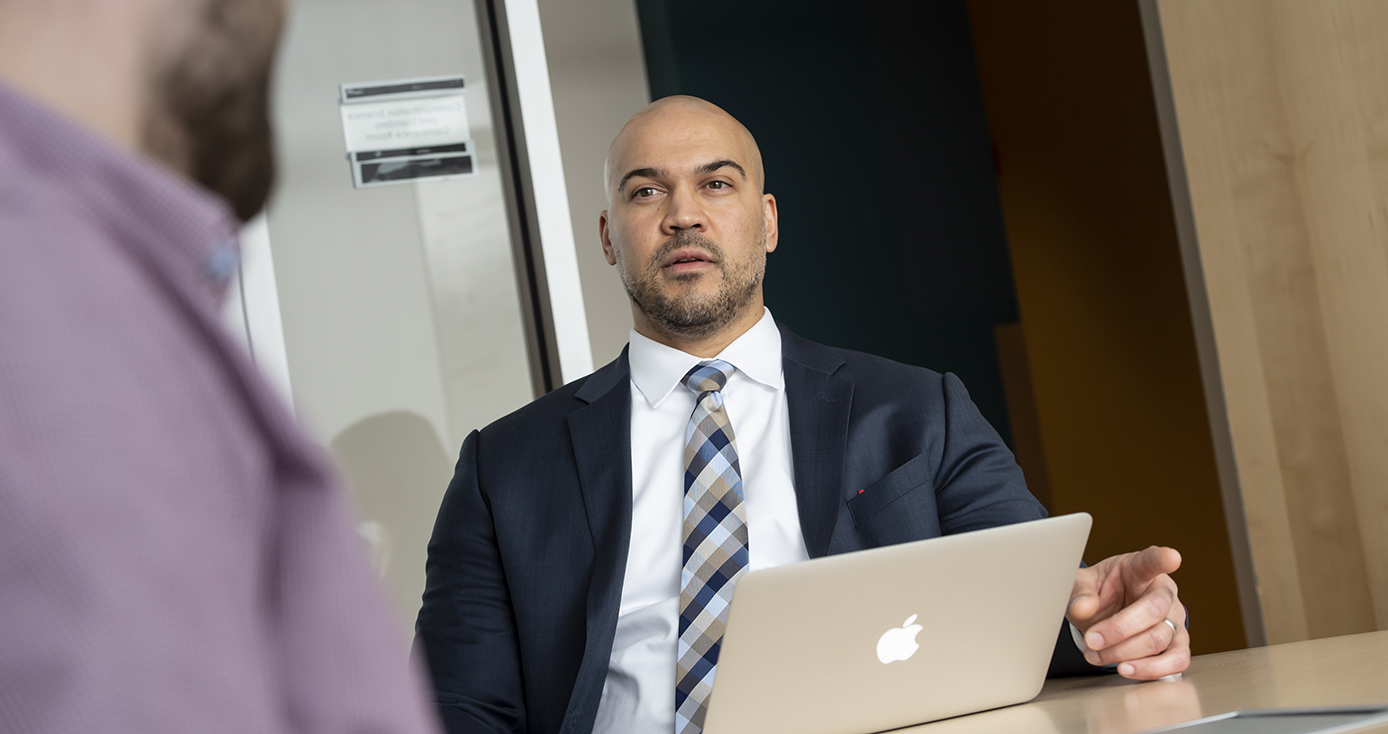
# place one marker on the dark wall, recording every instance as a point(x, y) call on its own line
point(872, 128)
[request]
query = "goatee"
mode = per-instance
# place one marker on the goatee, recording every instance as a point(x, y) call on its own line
point(230, 145)
point(693, 316)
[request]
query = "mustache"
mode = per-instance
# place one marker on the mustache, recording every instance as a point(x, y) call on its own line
point(682, 239)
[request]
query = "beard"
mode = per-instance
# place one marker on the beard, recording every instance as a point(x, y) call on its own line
point(695, 315)
point(210, 112)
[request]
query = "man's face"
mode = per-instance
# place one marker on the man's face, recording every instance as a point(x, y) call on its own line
point(688, 227)
point(209, 108)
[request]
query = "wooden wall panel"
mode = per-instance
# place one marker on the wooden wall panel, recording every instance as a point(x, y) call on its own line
point(1119, 405)
point(1281, 110)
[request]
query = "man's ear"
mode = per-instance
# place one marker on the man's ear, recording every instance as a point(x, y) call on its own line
point(607, 251)
point(773, 230)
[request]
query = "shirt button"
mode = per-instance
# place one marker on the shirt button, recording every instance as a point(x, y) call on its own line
point(224, 261)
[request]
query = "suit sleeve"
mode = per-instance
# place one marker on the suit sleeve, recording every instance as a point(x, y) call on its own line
point(466, 629)
point(979, 485)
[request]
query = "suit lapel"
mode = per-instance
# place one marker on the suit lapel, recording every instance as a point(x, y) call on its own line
point(601, 437)
point(819, 405)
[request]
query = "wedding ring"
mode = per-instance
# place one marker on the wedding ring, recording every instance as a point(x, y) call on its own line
point(1172, 625)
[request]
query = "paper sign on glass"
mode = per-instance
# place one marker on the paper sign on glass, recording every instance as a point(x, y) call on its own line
point(399, 131)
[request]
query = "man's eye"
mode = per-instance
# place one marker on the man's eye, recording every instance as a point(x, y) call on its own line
point(718, 184)
point(645, 191)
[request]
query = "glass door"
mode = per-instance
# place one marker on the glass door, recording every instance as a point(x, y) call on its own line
point(408, 298)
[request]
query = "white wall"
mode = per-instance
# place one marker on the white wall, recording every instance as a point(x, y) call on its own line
point(598, 77)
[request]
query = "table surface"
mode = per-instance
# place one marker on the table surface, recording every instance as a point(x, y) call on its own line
point(1338, 671)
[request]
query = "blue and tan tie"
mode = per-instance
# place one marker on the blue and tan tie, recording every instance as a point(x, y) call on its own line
point(715, 542)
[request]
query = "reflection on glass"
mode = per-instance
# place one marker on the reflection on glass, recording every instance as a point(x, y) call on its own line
point(402, 321)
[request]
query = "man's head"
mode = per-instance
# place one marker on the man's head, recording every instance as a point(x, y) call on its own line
point(185, 81)
point(687, 223)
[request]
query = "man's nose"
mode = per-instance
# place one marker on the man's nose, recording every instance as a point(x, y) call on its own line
point(683, 211)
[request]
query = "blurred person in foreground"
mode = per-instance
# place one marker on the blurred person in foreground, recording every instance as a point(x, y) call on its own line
point(174, 555)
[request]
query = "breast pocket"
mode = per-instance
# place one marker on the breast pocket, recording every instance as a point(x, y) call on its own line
point(898, 488)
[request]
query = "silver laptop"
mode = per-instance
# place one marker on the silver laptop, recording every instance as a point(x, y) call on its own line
point(885, 638)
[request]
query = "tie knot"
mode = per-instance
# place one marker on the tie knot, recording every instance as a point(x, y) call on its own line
point(711, 376)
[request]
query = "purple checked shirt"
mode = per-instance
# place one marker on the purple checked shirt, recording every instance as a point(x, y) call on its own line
point(175, 555)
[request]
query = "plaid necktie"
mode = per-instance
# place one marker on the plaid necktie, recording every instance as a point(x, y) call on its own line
point(715, 542)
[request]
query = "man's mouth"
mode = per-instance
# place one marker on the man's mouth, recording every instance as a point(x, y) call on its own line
point(687, 261)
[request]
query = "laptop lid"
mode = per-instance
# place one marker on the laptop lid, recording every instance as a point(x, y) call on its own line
point(889, 637)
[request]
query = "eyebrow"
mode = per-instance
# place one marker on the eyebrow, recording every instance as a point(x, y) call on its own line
point(643, 172)
point(725, 163)
point(660, 173)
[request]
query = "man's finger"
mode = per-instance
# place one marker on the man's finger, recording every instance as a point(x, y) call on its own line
point(1153, 562)
point(1082, 608)
point(1153, 641)
point(1151, 608)
point(1084, 595)
point(1175, 660)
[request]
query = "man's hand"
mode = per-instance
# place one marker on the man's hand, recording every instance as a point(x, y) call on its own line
point(1120, 603)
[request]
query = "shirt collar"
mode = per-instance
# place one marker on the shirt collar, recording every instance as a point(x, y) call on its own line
point(167, 218)
point(657, 369)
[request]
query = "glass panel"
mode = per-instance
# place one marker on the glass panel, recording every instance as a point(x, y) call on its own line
point(402, 319)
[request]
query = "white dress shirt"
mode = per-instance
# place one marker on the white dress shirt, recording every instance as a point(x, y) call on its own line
point(639, 693)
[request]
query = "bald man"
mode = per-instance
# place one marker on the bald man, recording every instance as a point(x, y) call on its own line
point(588, 543)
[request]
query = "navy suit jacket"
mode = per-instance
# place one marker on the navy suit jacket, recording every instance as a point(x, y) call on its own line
point(530, 547)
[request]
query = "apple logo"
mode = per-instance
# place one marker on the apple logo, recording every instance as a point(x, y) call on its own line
point(899, 643)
